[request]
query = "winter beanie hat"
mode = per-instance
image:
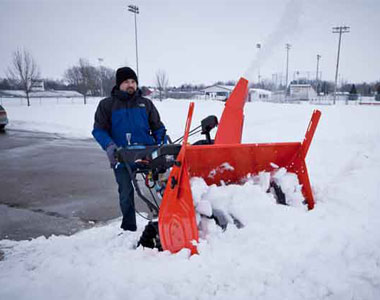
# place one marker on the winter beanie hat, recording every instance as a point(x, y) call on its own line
point(125, 73)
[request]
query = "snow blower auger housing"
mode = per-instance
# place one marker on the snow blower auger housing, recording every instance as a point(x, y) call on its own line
point(177, 221)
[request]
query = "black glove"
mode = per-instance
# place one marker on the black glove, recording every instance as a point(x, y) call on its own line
point(111, 154)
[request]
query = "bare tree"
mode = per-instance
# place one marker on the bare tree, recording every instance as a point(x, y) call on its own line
point(162, 82)
point(84, 78)
point(23, 71)
point(107, 80)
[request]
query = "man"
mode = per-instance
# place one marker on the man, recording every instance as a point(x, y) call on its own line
point(126, 118)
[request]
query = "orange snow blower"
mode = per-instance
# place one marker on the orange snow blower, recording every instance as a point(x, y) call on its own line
point(177, 226)
point(177, 221)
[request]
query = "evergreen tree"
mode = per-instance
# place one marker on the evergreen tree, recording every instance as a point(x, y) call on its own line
point(377, 97)
point(353, 90)
point(5, 84)
point(353, 93)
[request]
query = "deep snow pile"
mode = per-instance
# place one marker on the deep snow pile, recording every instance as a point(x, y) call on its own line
point(282, 252)
point(225, 203)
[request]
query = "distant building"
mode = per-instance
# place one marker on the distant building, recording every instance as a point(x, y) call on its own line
point(146, 91)
point(218, 92)
point(259, 95)
point(222, 92)
point(38, 86)
point(302, 92)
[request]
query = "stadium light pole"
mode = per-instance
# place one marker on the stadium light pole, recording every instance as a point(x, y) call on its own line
point(317, 74)
point(258, 46)
point(135, 10)
point(340, 30)
point(287, 46)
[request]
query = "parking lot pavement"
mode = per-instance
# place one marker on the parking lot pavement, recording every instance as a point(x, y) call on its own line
point(53, 185)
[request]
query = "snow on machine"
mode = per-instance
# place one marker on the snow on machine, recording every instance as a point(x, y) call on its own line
point(167, 170)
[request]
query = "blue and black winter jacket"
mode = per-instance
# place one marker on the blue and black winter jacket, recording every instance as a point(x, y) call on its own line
point(123, 113)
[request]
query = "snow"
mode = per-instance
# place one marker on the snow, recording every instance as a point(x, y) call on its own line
point(223, 167)
point(282, 252)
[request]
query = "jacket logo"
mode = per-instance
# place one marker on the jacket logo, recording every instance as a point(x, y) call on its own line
point(141, 105)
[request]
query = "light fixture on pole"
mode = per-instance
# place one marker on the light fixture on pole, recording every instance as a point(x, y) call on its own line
point(135, 10)
point(340, 30)
point(287, 46)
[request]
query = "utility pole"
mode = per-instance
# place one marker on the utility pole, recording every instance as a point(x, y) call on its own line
point(100, 60)
point(317, 74)
point(287, 46)
point(340, 30)
point(258, 46)
point(135, 10)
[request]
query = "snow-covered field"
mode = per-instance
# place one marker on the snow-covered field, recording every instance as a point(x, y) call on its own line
point(332, 252)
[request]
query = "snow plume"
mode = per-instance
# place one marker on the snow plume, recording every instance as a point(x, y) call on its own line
point(288, 24)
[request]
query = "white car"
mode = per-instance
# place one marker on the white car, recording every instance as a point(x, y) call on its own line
point(3, 118)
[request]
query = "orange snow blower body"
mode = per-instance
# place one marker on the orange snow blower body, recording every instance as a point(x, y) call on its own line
point(177, 221)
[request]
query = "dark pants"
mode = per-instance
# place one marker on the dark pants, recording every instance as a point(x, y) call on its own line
point(126, 196)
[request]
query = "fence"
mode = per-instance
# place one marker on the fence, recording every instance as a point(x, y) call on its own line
point(324, 100)
point(22, 101)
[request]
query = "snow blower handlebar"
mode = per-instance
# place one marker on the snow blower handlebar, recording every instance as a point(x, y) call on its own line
point(144, 160)
point(157, 159)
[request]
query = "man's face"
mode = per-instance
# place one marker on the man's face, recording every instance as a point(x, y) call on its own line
point(129, 86)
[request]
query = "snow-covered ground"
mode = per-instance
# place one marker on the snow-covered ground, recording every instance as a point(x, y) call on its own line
point(332, 252)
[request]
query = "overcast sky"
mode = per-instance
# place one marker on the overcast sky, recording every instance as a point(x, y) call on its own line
point(199, 41)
